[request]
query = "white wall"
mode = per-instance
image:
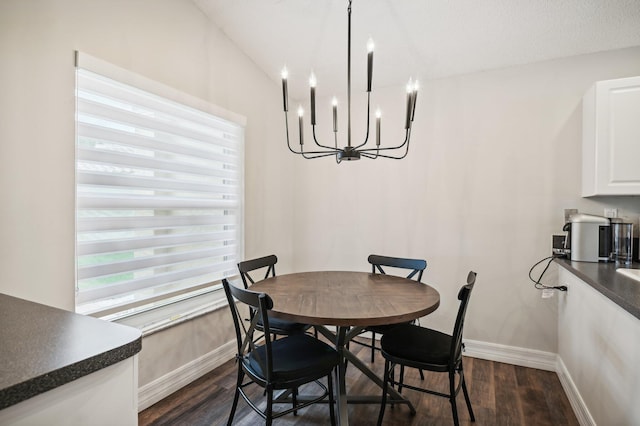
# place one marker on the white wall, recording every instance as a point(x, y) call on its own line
point(170, 41)
point(494, 160)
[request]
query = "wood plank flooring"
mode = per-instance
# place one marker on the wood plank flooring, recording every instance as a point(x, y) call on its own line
point(501, 394)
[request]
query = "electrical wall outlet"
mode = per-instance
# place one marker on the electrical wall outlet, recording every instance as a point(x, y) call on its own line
point(547, 293)
point(568, 213)
point(610, 212)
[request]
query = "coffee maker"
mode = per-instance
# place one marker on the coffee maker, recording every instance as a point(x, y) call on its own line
point(589, 238)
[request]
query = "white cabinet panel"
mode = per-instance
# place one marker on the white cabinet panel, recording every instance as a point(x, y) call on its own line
point(599, 344)
point(106, 397)
point(611, 138)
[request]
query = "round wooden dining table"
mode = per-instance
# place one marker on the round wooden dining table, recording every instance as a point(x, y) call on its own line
point(349, 301)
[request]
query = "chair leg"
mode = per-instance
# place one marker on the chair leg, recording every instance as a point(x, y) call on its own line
point(392, 377)
point(466, 395)
point(294, 400)
point(236, 396)
point(452, 397)
point(269, 411)
point(373, 345)
point(331, 403)
point(383, 404)
point(346, 362)
point(401, 379)
point(392, 373)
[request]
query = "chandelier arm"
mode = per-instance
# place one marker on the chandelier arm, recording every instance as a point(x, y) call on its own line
point(317, 154)
point(393, 157)
point(321, 153)
point(286, 125)
point(406, 142)
point(313, 128)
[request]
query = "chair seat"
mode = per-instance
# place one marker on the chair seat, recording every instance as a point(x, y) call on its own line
point(280, 326)
point(382, 329)
point(295, 357)
point(417, 344)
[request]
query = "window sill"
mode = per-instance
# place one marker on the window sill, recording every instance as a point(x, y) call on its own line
point(158, 316)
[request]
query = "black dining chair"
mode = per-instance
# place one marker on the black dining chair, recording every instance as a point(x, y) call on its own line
point(286, 363)
point(268, 265)
point(378, 263)
point(414, 346)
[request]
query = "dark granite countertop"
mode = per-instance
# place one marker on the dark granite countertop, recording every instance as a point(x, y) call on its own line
point(622, 290)
point(42, 347)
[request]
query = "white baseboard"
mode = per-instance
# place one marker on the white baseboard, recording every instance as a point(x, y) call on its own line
point(164, 386)
point(511, 355)
point(575, 399)
point(533, 359)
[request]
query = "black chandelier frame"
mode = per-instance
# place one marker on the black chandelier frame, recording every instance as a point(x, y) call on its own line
point(350, 152)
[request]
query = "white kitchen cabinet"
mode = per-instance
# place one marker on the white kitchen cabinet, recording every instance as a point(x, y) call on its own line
point(598, 353)
point(611, 138)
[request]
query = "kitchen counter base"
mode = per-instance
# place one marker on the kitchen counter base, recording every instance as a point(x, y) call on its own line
point(44, 348)
point(105, 398)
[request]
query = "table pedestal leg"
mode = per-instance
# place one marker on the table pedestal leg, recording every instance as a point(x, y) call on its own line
point(394, 396)
point(341, 337)
point(341, 386)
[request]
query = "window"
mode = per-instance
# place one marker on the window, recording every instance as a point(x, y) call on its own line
point(159, 191)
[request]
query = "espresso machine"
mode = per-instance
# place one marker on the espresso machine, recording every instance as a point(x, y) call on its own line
point(589, 238)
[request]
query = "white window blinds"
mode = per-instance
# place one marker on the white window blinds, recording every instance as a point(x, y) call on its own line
point(158, 195)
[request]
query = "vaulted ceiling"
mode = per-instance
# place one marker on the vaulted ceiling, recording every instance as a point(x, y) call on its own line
point(425, 39)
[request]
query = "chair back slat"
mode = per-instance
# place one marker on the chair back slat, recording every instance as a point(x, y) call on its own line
point(259, 303)
point(247, 266)
point(456, 338)
point(416, 266)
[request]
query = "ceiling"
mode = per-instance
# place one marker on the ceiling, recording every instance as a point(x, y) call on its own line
point(424, 39)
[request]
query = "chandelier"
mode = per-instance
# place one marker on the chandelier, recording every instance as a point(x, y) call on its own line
point(350, 152)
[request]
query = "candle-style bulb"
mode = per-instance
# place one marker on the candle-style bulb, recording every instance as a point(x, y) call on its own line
point(410, 86)
point(378, 115)
point(369, 64)
point(334, 102)
point(285, 93)
point(414, 97)
point(312, 88)
point(409, 109)
point(300, 124)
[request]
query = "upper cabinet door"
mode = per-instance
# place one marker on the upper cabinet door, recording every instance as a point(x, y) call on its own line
point(611, 138)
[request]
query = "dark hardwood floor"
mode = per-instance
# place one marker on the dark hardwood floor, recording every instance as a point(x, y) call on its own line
point(501, 394)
